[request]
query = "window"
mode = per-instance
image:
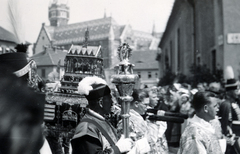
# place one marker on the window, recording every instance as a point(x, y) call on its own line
point(53, 13)
point(198, 60)
point(43, 73)
point(156, 75)
point(171, 55)
point(43, 38)
point(166, 61)
point(178, 51)
point(214, 61)
point(149, 75)
point(63, 14)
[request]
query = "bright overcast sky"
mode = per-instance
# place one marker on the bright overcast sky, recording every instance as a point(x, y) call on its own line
point(140, 14)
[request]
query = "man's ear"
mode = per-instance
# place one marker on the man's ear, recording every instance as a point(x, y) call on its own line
point(205, 108)
point(100, 102)
point(136, 103)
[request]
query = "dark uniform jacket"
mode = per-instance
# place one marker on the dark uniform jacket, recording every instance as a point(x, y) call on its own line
point(89, 139)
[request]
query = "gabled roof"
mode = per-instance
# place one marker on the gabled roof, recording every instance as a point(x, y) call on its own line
point(7, 36)
point(98, 29)
point(50, 31)
point(144, 59)
point(49, 57)
point(118, 30)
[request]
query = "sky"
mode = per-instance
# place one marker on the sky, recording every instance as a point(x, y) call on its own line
point(140, 14)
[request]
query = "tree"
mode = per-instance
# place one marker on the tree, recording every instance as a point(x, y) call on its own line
point(201, 73)
point(167, 79)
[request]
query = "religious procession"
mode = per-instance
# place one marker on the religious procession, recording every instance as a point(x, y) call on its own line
point(99, 87)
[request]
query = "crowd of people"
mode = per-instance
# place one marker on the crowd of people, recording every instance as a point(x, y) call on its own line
point(204, 119)
point(210, 125)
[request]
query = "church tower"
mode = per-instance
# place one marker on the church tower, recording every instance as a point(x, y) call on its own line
point(58, 12)
point(154, 29)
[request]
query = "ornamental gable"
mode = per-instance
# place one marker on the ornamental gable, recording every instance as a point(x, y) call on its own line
point(43, 40)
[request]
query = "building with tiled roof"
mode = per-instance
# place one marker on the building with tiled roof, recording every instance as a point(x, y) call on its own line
point(146, 66)
point(104, 31)
point(7, 41)
point(48, 59)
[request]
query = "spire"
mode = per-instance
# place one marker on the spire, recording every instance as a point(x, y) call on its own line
point(153, 29)
point(85, 44)
point(104, 16)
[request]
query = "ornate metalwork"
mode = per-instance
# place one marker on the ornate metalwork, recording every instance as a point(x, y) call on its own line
point(69, 115)
point(70, 99)
point(65, 107)
point(124, 79)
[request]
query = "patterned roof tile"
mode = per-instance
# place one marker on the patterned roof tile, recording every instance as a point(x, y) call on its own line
point(98, 29)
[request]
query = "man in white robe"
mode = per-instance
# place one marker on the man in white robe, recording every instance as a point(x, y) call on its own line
point(199, 135)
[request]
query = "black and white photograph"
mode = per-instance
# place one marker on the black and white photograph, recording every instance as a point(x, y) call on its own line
point(119, 77)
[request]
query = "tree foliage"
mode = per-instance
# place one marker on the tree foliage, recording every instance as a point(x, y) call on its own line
point(167, 79)
point(199, 74)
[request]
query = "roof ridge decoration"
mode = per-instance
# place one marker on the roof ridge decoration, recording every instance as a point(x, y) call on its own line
point(86, 52)
point(78, 50)
point(91, 51)
point(86, 38)
point(98, 53)
point(81, 53)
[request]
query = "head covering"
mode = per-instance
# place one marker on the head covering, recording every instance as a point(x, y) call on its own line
point(13, 62)
point(21, 108)
point(153, 89)
point(177, 86)
point(194, 91)
point(183, 91)
point(93, 88)
point(184, 95)
point(231, 82)
point(18, 64)
point(214, 87)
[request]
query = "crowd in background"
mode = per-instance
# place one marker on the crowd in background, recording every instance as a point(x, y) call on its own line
point(160, 117)
point(172, 105)
point(177, 98)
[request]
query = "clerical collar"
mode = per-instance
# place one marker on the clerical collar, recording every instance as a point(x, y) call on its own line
point(95, 114)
